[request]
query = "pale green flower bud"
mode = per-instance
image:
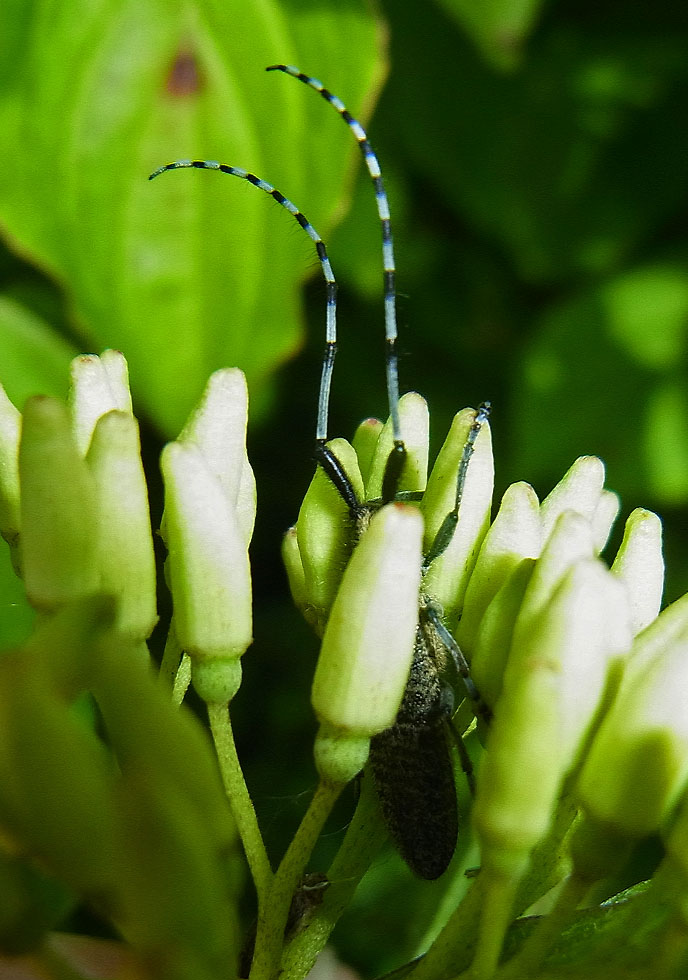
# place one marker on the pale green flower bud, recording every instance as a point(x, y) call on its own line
point(662, 633)
point(515, 534)
point(208, 560)
point(579, 490)
point(414, 420)
point(368, 645)
point(639, 564)
point(58, 509)
point(365, 442)
point(447, 577)
point(495, 634)
point(602, 521)
point(122, 530)
point(291, 557)
point(217, 426)
point(98, 385)
point(569, 541)
point(554, 683)
point(638, 762)
point(10, 429)
point(324, 534)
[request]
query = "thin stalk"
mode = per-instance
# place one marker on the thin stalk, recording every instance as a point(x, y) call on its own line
point(273, 914)
point(239, 800)
point(364, 837)
point(533, 952)
point(171, 657)
point(498, 894)
point(182, 680)
point(451, 951)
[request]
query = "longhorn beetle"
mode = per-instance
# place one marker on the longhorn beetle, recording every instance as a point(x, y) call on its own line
point(410, 762)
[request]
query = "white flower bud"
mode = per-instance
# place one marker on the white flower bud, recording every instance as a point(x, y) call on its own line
point(578, 490)
point(98, 385)
point(639, 564)
point(368, 644)
point(217, 426)
point(447, 577)
point(602, 521)
point(123, 531)
point(569, 541)
point(554, 683)
point(515, 534)
point(414, 420)
point(208, 560)
point(638, 762)
point(324, 533)
point(58, 509)
point(365, 442)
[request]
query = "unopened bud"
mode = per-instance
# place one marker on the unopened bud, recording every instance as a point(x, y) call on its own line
point(569, 541)
point(98, 385)
point(447, 577)
point(495, 634)
point(554, 683)
point(365, 442)
point(324, 532)
point(122, 530)
point(217, 426)
point(578, 490)
point(208, 560)
point(368, 644)
point(639, 564)
point(58, 509)
point(515, 534)
point(602, 521)
point(638, 762)
point(414, 421)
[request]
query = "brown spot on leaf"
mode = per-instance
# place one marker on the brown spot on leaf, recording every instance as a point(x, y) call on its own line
point(184, 77)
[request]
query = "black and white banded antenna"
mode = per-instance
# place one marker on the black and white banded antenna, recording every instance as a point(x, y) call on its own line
point(331, 314)
point(396, 460)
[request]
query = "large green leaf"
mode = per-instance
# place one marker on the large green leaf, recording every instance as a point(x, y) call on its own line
point(568, 163)
point(618, 387)
point(498, 28)
point(194, 270)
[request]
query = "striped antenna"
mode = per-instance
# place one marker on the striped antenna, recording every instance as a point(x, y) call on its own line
point(331, 322)
point(373, 166)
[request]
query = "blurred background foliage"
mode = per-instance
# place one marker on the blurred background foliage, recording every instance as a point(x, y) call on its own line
point(536, 159)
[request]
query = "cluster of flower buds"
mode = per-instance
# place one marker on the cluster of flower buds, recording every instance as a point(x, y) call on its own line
point(74, 510)
point(73, 497)
point(585, 680)
point(365, 601)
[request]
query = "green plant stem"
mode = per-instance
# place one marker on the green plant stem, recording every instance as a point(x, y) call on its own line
point(182, 680)
point(239, 800)
point(364, 837)
point(532, 954)
point(272, 916)
point(451, 951)
point(498, 896)
point(171, 657)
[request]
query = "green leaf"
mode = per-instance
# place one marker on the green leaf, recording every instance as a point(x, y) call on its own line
point(35, 360)
point(498, 28)
point(565, 165)
point(194, 271)
point(608, 362)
